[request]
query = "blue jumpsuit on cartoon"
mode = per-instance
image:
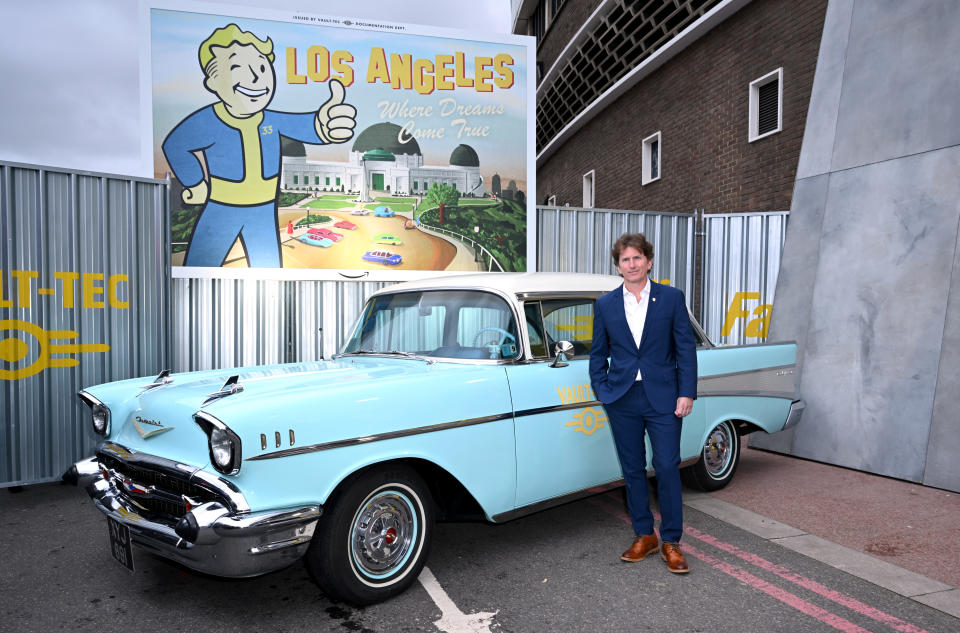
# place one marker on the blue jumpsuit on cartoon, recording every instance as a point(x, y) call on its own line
point(243, 159)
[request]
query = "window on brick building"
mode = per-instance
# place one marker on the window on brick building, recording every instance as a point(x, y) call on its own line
point(650, 159)
point(588, 188)
point(766, 105)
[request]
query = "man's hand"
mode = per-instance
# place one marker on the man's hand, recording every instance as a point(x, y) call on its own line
point(684, 407)
point(196, 194)
point(336, 119)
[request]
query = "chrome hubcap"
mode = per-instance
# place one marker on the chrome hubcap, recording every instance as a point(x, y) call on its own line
point(383, 533)
point(718, 451)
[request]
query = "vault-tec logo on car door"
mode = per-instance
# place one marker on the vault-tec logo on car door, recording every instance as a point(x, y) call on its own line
point(589, 419)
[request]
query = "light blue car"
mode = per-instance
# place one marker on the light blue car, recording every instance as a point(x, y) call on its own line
point(455, 396)
point(383, 212)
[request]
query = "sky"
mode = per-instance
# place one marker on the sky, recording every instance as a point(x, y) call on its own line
point(71, 95)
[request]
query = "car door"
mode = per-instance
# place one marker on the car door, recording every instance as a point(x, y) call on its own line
point(563, 438)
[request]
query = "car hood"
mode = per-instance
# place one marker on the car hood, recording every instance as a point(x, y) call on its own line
point(280, 406)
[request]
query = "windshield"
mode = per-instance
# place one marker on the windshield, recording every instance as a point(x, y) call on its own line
point(438, 323)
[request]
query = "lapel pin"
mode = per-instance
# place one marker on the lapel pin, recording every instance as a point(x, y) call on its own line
point(653, 298)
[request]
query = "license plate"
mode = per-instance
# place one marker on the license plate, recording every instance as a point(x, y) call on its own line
point(120, 543)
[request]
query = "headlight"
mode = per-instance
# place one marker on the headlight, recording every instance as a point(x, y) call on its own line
point(101, 414)
point(101, 419)
point(226, 452)
point(221, 448)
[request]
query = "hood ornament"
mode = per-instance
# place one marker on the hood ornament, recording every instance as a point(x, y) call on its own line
point(163, 378)
point(229, 388)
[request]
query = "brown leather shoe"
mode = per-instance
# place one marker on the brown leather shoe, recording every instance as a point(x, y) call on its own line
point(670, 552)
point(642, 547)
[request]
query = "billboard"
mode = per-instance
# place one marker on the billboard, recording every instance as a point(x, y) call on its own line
point(302, 146)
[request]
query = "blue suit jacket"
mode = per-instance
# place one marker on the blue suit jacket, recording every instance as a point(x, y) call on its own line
point(666, 359)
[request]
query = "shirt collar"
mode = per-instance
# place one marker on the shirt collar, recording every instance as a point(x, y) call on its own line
point(643, 293)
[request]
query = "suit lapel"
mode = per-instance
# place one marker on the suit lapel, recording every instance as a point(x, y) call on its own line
point(652, 308)
point(619, 313)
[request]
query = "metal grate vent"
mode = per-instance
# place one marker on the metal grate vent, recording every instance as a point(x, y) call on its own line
point(768, 107)
point(629, 33)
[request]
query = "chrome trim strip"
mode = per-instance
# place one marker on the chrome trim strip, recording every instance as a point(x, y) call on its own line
point(353, 441)
point(574, 496)
point(560, 294)
point(442, 426)
point(556, 501)
point(746, 392)
point(88, 399)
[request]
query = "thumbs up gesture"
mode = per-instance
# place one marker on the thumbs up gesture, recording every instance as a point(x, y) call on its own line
point(336, 119)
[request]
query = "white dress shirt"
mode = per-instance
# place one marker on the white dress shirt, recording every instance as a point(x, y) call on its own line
point(636, 311)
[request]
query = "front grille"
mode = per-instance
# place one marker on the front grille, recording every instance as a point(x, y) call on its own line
point(166, 500)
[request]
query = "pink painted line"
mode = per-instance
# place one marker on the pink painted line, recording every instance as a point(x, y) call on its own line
point(749, 579)
point(812, 585)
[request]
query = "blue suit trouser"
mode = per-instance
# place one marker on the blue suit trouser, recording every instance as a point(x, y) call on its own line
point(630, 416)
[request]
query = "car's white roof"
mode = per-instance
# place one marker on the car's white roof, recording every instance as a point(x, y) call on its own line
point(516, 283)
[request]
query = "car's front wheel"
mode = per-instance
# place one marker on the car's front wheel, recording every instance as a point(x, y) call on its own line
point(718, 459)
point(373, 539)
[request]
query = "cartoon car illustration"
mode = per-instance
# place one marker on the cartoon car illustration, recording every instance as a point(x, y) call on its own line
point(347, 226)
point(387, 238)
point(238, 472)
point(411, 224)
point(383, 212)
point(383, 257)
point(316, 240)
point(327, 233)
point(360, 212)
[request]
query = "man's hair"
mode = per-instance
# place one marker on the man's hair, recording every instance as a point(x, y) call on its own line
point(231, 34)
point(636, 240)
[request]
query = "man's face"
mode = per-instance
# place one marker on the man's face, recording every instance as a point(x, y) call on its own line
point(242, 77)
point(633, 266)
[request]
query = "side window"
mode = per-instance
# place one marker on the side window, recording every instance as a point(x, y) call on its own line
point(570, 320)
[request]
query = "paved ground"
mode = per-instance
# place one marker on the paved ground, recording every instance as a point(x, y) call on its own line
point(553, 571)
point(909, 525)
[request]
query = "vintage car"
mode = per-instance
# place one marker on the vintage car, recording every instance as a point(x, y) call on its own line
point(383, 212)
point(327, 233)
point(316, 240)
point(387, 238)
point(237, 472)
point(343, 224)
point(383, 257)
point(360, 212)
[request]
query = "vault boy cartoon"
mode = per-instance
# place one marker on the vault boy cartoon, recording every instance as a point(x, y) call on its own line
point(240, 143)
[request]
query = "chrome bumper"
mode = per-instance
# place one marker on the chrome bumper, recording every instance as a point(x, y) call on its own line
point(209, 538)
point(796, 412)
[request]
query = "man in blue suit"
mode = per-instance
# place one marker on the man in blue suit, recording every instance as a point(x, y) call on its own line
point(643, 366)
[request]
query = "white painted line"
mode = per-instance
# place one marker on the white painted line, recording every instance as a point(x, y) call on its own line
point(453, 619)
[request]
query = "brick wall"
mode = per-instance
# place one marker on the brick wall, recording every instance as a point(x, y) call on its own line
point(699, 102)
point(565, 25)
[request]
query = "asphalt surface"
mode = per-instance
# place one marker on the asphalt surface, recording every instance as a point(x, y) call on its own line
point(557, 570)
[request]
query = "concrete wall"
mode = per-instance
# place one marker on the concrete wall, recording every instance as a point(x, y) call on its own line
point(868, 282)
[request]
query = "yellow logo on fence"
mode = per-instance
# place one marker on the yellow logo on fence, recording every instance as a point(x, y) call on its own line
point(14, 350)
point(26, 348)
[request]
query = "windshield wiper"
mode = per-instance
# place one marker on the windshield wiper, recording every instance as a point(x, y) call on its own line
point(429, 361)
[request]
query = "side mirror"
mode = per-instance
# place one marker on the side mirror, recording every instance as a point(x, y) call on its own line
point(561, 350)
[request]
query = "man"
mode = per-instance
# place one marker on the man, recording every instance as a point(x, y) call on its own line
point(643, 366)
point(240, 143)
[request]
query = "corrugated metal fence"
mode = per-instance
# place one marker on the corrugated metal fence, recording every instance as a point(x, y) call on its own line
point(84, 298)
point(738, 255)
